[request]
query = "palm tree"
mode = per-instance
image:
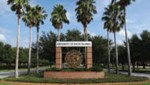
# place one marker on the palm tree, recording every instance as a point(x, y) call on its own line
point(106, 18)
point(18, 6)
point(29, 18)
point(84, 12)
point(117, 25)
point(113, 23)
point(123, 4)
point(40, 16)
point(58, 17)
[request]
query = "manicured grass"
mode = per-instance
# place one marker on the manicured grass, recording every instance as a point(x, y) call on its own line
point(38, 78)
point(4, 84)
point(141, 84)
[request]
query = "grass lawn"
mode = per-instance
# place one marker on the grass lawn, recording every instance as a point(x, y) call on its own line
point(120, 83)
point(109, 78)
point(5, 84)
point(141, 84)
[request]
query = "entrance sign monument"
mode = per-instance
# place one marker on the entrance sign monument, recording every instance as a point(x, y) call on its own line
point(73, 58)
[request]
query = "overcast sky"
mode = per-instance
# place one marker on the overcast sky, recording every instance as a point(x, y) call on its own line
point(138, 19)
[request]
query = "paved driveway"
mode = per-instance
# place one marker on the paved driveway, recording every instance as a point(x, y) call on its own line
point(12, 73)
point(133, 74)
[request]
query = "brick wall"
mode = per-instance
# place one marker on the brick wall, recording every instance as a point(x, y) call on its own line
point(74, 75)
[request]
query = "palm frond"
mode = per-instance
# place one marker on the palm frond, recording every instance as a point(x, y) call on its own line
point(58, 16)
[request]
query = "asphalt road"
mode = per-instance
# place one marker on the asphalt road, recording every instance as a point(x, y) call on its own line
point(133, 74)
point(12, 73)
point(138, 74)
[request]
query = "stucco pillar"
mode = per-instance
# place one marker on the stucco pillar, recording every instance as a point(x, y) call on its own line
point(58, 57)
point(89, 57)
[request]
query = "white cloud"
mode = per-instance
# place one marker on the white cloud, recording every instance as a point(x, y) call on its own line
point(92, 33)
point(5, 8)
point(130, 21)
point(24, 43)
point(89, 32)
point(122, 33)
point(137, 28)
point(120, 42)
point(2, 37)
point(71, 17)
point(68, 16)
point(4, 33)
point(33, 3)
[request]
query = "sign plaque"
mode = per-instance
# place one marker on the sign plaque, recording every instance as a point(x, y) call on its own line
point(73, 44)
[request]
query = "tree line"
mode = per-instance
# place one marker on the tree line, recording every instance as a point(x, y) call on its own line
point(139, 46)
point(7, 57)
point(48, 40)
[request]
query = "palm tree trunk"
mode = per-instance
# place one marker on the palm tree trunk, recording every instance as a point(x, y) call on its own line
point(122, 66)
point(133, 63)
point(108, 52)
point(29, 58)
point(58, 38)
point(86, 34)
point(86, 39)
point(127, 45)
point(37, 52)
point(17, 51)
point(116, 53)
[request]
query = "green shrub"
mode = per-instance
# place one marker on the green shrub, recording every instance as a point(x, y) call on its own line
point(66, 69)
point(80, 69)
point(53, 69)
point(96, 68)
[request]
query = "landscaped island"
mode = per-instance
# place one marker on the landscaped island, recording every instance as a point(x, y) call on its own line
point(109, 77)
